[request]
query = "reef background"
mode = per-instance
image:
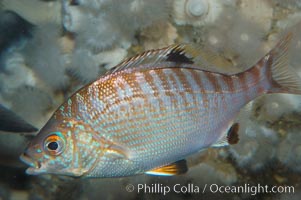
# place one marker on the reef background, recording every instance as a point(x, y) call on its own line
point(50, 48)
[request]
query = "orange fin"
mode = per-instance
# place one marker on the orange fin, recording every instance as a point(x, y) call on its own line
point(176, 168)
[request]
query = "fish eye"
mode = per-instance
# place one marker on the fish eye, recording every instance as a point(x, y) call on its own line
point(54, 144)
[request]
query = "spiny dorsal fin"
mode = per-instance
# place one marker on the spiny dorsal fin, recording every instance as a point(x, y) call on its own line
point(173, 53)
point(176, 168)
point(198, 58)
point(179, 54)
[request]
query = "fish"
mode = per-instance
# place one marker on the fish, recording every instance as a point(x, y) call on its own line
point(22, 131)
point(152, 111)
point(11, 122)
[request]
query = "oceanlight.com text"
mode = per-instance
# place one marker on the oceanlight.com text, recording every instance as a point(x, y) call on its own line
point(251, 189)
point(159, 188)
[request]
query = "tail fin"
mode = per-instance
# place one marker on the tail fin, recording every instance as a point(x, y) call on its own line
point(283, 78)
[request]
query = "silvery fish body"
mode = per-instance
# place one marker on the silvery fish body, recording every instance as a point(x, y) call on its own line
point(152, 110)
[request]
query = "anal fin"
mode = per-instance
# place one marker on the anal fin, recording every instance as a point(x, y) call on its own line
point(229, 137)
point(232, 135)
point(176, 168)
point(223, 141)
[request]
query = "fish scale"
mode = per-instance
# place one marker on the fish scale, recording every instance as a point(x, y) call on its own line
point(166, 117)
point(152, 111)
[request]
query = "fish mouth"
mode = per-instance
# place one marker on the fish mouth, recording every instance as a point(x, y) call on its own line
point(35, 166)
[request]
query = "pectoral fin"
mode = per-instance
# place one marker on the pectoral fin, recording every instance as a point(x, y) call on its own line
point(176, 168)
point(118, 152)
point(115, 150)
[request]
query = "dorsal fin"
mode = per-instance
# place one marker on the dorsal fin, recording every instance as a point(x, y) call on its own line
point(176, 168)
point(190, 55)
point(173, 53)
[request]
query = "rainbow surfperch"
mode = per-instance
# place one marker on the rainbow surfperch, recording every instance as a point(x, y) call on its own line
point(151, 112)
